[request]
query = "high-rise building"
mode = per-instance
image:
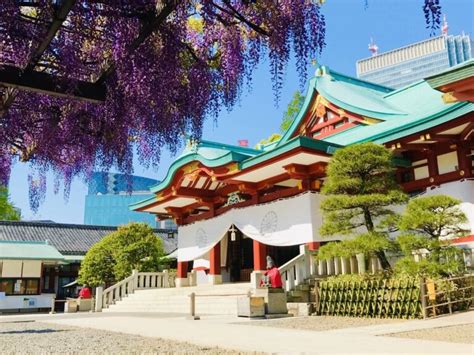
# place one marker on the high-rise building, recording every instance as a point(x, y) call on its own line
point(405, 65)
point(108, 200)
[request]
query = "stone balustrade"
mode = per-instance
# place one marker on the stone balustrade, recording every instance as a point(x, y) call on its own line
point(305, 265)
point(296, 271)
point(136, 281)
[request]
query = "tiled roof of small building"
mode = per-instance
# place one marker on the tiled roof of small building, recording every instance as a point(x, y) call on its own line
point(69, 239)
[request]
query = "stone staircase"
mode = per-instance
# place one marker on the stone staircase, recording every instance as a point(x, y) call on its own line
point(302, 299)
point(210, 299)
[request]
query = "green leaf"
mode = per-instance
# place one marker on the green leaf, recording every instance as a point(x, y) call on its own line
point(132, 246)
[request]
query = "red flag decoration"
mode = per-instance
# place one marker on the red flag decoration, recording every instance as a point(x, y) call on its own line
point(243, 142)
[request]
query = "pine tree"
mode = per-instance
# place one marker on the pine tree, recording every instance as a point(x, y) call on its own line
point(427, 224)
point(361, 190)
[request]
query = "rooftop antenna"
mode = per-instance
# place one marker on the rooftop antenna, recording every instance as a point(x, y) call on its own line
point(373, 47)
point(445, 27)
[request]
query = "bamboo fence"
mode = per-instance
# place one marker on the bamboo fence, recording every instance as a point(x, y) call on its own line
point(394, 298)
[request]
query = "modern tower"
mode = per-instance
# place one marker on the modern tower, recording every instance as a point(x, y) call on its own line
point(402, 66)
point(108, 200)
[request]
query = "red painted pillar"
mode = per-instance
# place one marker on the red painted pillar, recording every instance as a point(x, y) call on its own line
point(215, 260)
point(259, 256)
point(182, 269)
point(432, 164)
point(313, 246)
point(464, 161)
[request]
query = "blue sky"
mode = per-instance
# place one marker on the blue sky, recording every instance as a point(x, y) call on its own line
point(392, 23)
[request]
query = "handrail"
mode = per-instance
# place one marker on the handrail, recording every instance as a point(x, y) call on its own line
point(118, 284)
point(138, 280)
point(291, 263)
point(297, 270)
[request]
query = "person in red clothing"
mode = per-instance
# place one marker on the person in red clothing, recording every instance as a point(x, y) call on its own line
point(272, 276)
point(85, 292)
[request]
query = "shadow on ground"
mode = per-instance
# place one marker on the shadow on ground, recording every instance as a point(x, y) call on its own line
point(33, 331)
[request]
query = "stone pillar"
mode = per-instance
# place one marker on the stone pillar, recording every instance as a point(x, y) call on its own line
point(330, 266)
point(182, 274)
point(337, 266)
point(135, 284)
point(361, 263)
point(322, 268)
point(374, 264)
point(166, 279)
point(98, 298)
point(345, 266)
point(215, 276)
point(353, 264)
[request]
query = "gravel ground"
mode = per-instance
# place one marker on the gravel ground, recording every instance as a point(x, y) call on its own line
point(322, 323)
point(454, 334)
point(43, 338)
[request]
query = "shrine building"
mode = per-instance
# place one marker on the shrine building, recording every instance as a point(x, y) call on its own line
point(235, 205)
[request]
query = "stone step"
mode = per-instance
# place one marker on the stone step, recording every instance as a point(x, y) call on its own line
point(138, 294)
point(210, 299)
point(302, 287)
point(207, 309)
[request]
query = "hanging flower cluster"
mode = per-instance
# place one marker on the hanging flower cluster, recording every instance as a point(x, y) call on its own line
point(165, 65)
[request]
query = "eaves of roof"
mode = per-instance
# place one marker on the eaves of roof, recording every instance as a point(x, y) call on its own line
point(21, 250)
point(296, 142)
point(392, 130)
point(453, 74)
point(229, 157)
point(305, 142)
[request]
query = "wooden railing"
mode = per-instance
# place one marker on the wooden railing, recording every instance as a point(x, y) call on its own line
point(136, 281)
point(446, 295)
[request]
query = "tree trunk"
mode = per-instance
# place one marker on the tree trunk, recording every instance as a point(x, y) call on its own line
point(383, 259)
point(369, 224)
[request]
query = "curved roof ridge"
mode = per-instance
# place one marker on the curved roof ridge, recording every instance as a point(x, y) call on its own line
point(354, 79)
point(219, 145)
point(403, 88)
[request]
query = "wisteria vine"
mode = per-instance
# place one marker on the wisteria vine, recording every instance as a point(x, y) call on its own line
point(161, 83)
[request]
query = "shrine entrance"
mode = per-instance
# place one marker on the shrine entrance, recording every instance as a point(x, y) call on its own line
point(240, 261)
point(239, 256)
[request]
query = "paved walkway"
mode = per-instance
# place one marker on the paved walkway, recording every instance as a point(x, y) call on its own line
point(237, 333)
point(381, 329)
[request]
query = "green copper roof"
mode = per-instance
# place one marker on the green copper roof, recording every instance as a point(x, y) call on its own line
point(424, 106)
point(402, 112)
point(415, 107)
point(351, 94)
point(356, 96)
point(29, 251)
point(456, 73)
point(223, 156)
point(210, 154)
point(300, 141)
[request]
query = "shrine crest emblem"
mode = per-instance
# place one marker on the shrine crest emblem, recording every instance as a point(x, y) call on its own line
point(269, 223)
point(201, 238)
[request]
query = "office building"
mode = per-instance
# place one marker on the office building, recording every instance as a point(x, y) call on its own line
point(403, 66)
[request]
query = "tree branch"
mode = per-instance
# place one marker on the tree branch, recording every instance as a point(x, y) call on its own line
point(231, 11)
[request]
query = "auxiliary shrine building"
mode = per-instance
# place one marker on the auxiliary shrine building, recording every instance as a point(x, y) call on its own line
point(235, 205)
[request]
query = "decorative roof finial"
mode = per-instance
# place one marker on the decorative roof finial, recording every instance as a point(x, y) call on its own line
point(373, 47)
point(445, 27)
